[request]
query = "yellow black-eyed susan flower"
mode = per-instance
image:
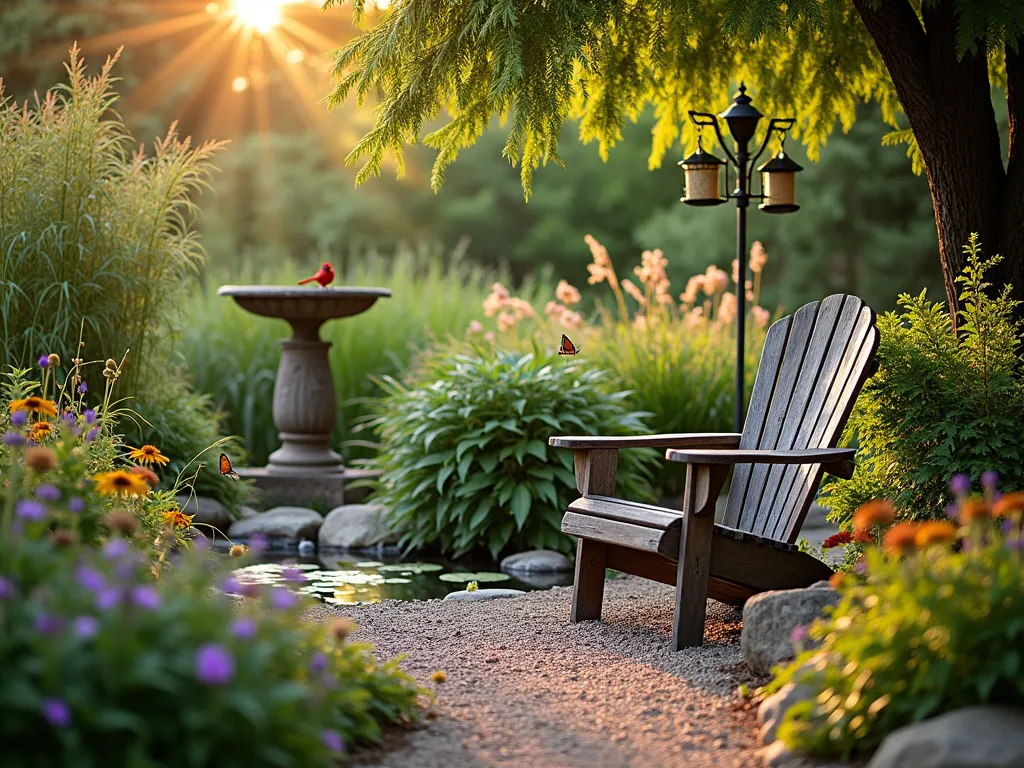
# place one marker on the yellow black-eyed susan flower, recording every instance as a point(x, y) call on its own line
point(177, 518)
point(37, 405)
point(148, 454)
point(41, 430)
point(120, 483)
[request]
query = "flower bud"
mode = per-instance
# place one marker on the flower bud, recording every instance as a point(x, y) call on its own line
point(122, 521)
point(40, 459)
point(342, 628)
point(53, 359)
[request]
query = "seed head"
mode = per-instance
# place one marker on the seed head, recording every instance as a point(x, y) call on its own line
point(62, 538)
point(342, 628)
point(40, 459)
point(239, 550)
point(53, 359)
point(122, 521)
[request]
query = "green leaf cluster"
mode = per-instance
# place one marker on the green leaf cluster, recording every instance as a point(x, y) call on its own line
point(935, 631)
point(940, 404)
point(465, 458)
point(93, 631)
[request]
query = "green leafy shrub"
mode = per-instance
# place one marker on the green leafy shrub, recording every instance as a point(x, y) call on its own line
point(927, 628)
point(940, 404)
point(465, 458)
point(109, 660)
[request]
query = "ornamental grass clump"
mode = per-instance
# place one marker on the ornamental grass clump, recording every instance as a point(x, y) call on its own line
point(106, 665)
point(464, 452)
point(931, 620)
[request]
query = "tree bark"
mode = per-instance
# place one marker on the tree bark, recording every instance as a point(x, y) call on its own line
point(949, 106)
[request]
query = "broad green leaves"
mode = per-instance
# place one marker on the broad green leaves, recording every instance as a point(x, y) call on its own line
point(465, 458)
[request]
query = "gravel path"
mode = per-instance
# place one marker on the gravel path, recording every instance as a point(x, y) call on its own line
point(526, 687)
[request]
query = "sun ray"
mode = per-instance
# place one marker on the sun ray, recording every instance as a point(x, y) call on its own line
point(143, 33)
point(311, 37)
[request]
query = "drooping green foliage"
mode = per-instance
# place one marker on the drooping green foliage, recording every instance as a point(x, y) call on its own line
point(940, 404)
point(464, 453)
point(538, 63)
point(919, 635)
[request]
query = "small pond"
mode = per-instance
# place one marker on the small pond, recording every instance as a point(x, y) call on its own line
point(349, 578)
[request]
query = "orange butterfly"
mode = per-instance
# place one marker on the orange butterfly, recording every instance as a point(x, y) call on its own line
point(225, 467)
point(567, 347)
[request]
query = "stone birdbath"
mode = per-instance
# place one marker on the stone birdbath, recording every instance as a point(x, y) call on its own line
point(305, 406)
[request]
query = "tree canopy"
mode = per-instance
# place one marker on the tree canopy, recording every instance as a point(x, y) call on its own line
point(538, 63)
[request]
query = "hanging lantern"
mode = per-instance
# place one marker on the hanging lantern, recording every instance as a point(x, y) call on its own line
point(702, 171)
point(778, 184)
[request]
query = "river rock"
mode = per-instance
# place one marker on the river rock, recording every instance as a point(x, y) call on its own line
point(973, 737)
point(483, 594)
point(204, 512)
point(280, 523)
point(770, 617)
point(355, 526)
point(537, 561)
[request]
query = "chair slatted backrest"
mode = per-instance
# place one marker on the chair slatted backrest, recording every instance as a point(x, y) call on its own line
point(812, 368)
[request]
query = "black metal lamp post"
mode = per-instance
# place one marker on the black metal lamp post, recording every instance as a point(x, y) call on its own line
point(777, 185)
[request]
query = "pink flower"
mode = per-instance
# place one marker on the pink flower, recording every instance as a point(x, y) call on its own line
point(727, 308)
point(636, 293)
point(572, 320)
point(761, 316)
point(554, 310)
point(474, 327)
point(715, 280)
point(489, 337)
point(506, 320)
point(758, 257)
point(693, 286)
point(566, 293)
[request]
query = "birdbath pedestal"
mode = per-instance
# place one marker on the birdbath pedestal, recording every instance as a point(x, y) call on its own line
point(305, 406)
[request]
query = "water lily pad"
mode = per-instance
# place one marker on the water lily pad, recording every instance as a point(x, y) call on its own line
point(410, 568)
point(369, 564)
point(398, 580)
point(467, 577)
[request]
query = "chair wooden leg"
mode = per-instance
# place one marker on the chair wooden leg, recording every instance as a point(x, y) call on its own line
point(588, 587)
point(692, 581)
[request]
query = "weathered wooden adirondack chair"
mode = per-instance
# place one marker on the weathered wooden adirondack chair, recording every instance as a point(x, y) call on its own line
point(812, 368)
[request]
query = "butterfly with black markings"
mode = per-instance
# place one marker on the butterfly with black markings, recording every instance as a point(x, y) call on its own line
point(225, 467)
point(567, 347)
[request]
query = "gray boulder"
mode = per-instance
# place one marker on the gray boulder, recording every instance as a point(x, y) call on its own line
point(483, 594)
point(770, 617)
point(536, 561)
point(279, 523)
point(355, 526)
point(205, 512)
point(973, 737)
point(773, 709)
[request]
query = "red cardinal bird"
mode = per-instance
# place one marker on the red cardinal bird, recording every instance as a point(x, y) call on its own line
point(325, 276)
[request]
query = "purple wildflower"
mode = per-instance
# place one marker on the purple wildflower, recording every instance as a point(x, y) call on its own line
point(1006, 527)
point(56, 712)
point(146, 598)
point(48, 492)
point(88, 578)
point(89, 417)
point(332, 740)
point(30, 510)
point(14, 439)
point(282, 599)
point(83, 388)
point(258, 543)
point(214, 664)
point(115, 548)
point(861, 567)
point(250, 589)
point(960, 485)
point(231, 585)
point(46, 624)
point(200, 544)
point(6, 588)
point(319, 662)
point(86, 626)
point(92, 434)
point(952, 510)
point(69, 418)
point(798, 634)
point(76, 505)
point(293, 574)
point(108, 598)
point(989, 480)
point(19, 419)
point(1015, 543)
point(244, 628)
point(44, 361)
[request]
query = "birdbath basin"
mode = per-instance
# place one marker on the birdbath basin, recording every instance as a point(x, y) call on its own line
point(305, 406)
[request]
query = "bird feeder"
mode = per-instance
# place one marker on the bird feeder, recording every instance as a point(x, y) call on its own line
point(778, 184)
point(702, 170)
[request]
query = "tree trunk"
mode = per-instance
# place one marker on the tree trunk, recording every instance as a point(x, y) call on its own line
point(948, 103)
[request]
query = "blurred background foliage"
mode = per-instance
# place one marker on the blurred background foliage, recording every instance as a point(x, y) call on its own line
point(282, 200)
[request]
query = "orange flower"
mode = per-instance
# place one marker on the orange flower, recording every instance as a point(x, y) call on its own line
point(975, 508)
point(900, 538)
point(177, 518)
point(148, 454)
point(41, 430)
point(877, 512)
point(863, 537)
point(837, 579)
point(146, 474)
point(36, 405)
point(120, 483)
point(1011, 505)
point(935, 532)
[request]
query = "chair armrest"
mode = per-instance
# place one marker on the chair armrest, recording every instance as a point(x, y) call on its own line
point(681, 440)
point(835, 461)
